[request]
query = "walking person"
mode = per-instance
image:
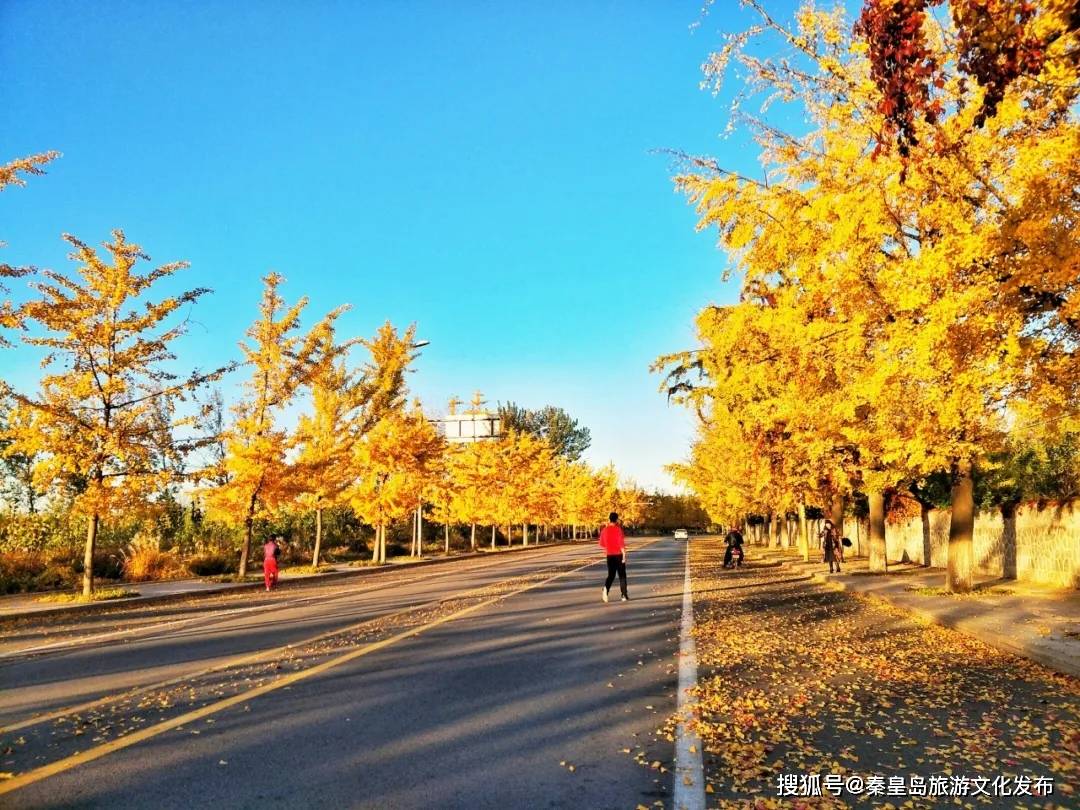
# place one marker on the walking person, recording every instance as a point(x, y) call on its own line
point(734, 540)
point(613, 542)
point(832, 551)
point(271, 552)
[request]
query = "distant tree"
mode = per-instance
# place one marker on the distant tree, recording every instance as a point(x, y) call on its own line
point(566, 436)
point(346, 404)
point(665, 512)
point(398, 457)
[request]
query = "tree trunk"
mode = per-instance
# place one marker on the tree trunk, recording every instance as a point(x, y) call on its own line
point(419, 530)
point(837, 513)
point(446, 537)
point(573, 532)
point(879, 561)
point(249, 530)
point(88, 556)
point(492, 536)
point(804, 537)
point(960, 576)
point(524, 534)
point(924, 519)
point(318, 538)
point(472, 536)
point(375, 544)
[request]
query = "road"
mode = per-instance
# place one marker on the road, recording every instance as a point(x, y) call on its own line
point(498, 683)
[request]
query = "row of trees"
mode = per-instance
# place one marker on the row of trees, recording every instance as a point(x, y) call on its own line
point(910, 267)
point(114, 431)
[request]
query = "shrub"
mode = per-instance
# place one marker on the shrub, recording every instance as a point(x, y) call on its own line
point(208, 565)
point(44, 531)
point(144, 561)
point(54, 578)
point(106, 565)
point(19, 571)
point(27, 572)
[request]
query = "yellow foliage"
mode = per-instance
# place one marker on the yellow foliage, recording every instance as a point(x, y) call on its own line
point(897, 317)
point(394, 463)
point(104, 425)
point(256, 476)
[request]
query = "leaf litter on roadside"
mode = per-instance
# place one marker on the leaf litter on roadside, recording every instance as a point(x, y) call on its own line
point(795, 678)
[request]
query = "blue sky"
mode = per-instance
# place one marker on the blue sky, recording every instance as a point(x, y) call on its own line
point(483, 169)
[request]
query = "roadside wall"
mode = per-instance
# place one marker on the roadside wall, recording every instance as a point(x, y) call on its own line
point(1036, 544)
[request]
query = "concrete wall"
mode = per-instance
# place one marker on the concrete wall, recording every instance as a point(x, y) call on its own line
point(1037, 544)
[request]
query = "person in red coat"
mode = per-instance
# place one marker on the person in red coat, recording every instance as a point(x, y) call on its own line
point(271, 552)
point(613, 542)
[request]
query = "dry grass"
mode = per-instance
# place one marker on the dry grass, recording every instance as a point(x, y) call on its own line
point(144, 561)
point(300, 570)
point(97, 596)
point(235, 578)
point(941, 591)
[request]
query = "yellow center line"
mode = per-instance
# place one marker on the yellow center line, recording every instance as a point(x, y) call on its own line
point(84, 757)
point(257, 656)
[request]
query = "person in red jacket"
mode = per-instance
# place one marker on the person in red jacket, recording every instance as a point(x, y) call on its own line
point(271, 552)
point(614, 544)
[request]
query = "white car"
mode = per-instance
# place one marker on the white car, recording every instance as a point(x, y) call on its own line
point(681, 534)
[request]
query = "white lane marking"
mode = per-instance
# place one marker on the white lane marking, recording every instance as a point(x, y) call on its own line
point(689, 793)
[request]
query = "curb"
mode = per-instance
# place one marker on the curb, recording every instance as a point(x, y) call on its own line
point(1059, 663)
point(298, 582)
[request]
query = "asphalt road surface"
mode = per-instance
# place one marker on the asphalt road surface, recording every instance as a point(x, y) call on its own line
point(491, 683)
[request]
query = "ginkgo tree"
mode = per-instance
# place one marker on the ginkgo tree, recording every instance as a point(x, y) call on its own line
point(444, 493)
point(393, 463)
point(345, 405)
point(523, 464)
point(109, 420)
point(472, 470)
point(928, 294)
point(257, 477)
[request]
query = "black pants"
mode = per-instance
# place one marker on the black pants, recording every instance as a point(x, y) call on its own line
point(616, 565)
